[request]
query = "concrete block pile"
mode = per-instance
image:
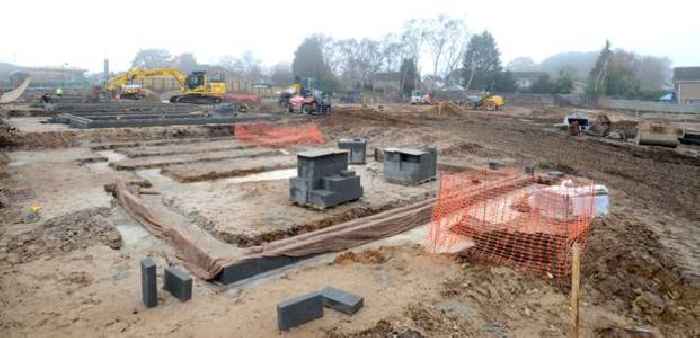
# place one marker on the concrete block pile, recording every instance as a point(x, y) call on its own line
point(357, 148)
point(410, 166)
point(323, 179)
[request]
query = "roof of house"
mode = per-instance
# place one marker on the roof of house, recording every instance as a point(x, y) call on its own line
point(686, 74)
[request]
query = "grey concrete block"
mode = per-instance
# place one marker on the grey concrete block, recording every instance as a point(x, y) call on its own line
point(410, 166)
point(179, 283)
point(148, 282)
point(341, 301)
point(296, 311)
point(246, 269)
point(323, 179)
point(357, 147)
point(495, 165)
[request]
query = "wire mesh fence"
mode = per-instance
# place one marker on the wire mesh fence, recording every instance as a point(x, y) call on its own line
point(511, 219)
point(273, 135)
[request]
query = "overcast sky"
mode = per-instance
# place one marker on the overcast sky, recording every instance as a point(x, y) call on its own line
point(83, 33)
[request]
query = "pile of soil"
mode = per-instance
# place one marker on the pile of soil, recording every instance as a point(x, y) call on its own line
point(59, 235)
point(364, 257)
point(72, 138)
point(625, 267)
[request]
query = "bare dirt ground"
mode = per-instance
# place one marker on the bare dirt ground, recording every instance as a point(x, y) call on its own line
point(72, 274)
point(251, 213)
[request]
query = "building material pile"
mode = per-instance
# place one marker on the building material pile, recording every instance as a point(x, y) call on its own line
point(323, 179)
point(658, 134)
point(410, 166)
point(511, 220)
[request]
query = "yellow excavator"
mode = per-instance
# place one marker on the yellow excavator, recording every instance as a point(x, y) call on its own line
point(195, 88)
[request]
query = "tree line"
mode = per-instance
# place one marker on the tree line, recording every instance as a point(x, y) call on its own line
point(438, 53)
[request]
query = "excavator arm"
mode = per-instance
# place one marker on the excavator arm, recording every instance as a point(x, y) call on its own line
point(139, 73)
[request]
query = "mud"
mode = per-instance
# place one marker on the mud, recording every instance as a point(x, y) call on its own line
point(364, 257)
point(225, 169)
point(151, 162)
point(183, 149)
point(72, 138)
point(59, 235)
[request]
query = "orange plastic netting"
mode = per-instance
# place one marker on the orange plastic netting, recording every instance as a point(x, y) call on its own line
point(508, 218)
point(269, 134)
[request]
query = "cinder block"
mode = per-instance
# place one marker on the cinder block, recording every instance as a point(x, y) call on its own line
point(179, 283)
point(323, 179)
point(148, 282)
point(495, 165)
point(357, 147)
point(410, 165)
point(249, 268)
point(296, 311)
point(341, 301)
point(530, 169)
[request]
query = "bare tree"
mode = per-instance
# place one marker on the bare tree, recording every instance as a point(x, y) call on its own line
point(446, 38)
point(413, 39)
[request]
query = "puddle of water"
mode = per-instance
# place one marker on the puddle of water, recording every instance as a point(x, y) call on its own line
point(274, 175)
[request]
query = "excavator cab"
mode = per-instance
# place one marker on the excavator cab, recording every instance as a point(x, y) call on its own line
point(201, 88)
point(196, 80)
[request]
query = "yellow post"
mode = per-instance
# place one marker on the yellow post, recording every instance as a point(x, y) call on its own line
point(575, 288)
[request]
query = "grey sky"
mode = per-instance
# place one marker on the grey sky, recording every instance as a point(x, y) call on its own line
point(82, 33)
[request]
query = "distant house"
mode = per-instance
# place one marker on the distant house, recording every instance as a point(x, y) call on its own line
point(686, 82)
point(525, 80)
point(49, 76)
point(387, 82)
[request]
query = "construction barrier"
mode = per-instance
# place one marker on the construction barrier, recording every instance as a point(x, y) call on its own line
point(272, 135)
point(512, 220)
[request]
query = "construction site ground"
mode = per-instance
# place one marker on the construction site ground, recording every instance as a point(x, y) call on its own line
point(75, 271)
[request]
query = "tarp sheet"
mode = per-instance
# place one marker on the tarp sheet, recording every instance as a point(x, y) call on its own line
point(205, 256)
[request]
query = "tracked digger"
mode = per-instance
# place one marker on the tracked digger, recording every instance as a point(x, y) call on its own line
point(197, 87)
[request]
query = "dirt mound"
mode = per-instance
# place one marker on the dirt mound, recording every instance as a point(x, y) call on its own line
point(63, 234)
point(463, 148)
point(71, 138)
point(639, 276)
point(7, 134)
point(382, 329)
point(364, 257)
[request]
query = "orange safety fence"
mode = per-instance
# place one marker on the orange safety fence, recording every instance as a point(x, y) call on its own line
point(272, 135)
point(511, 219)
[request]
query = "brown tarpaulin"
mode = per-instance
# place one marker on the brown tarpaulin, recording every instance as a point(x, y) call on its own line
point(205, 256)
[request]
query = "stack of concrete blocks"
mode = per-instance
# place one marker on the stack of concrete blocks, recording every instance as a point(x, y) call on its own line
point(323, 179)
point(410, 166)
point(357, 147)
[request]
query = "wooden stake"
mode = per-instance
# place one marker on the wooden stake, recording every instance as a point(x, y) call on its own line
point(575, 286)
